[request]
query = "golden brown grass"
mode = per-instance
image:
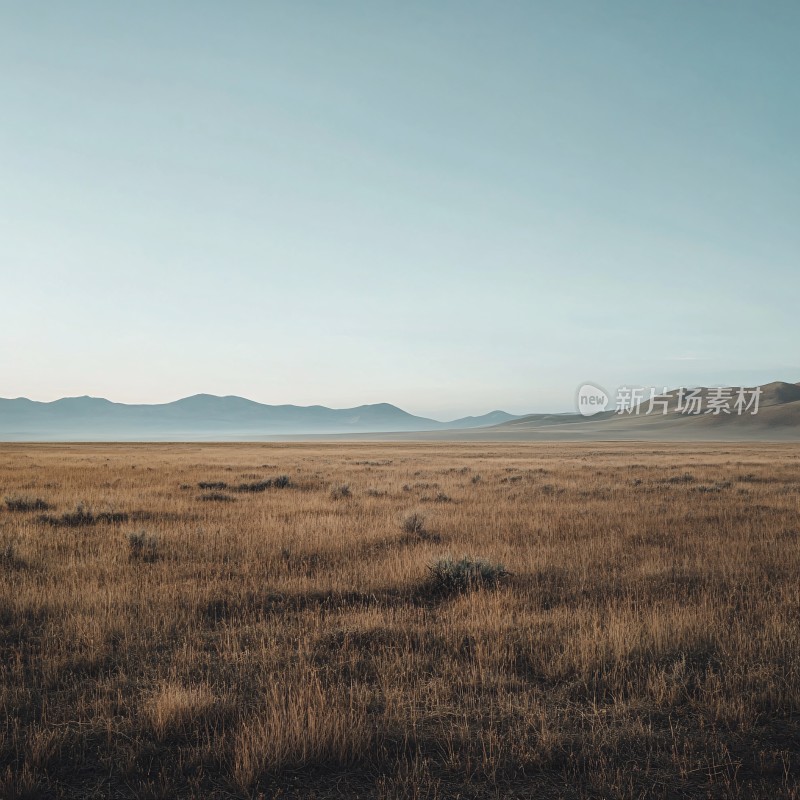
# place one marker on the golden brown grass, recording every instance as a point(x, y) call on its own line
point(285, 641)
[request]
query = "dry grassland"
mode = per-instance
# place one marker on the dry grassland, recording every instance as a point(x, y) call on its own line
point(248, 637)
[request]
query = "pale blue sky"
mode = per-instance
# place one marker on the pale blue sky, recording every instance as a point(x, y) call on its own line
point(449, 206)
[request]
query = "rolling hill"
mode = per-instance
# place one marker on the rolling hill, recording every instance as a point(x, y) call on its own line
point(777, 418)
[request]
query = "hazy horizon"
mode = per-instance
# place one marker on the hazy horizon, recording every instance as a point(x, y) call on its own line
point(570, 408)
point(231, 396)
point(453, 208)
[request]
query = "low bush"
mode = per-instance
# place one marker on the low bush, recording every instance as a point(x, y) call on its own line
point(142, 547)
point(687, 477)
point(216, 497)
point(27, 504)
point(449, 575)
point(10, 557)
point(82, 517)
point(340, 490)
point(70, 519)
point(281, 482)
point(414, 523)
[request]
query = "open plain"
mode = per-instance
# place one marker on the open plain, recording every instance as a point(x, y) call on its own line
point(244, 620)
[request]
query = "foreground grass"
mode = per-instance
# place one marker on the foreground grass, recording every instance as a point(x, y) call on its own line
point(284, 638)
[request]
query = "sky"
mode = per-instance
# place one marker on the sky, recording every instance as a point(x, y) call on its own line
point(450, 206)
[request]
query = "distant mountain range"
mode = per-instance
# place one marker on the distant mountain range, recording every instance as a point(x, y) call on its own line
point(205, 416)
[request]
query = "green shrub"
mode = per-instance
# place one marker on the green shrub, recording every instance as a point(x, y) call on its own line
point(71, 519)
point(82, 517)
point(449, 575)
point(260, 486)
point(340, 490)
point(687, 477)
point(281, 482)
point(26, 504)
point(216, 497)
point(414, 523)
point(114, 517)
point(142, 547)
point(10, 558)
